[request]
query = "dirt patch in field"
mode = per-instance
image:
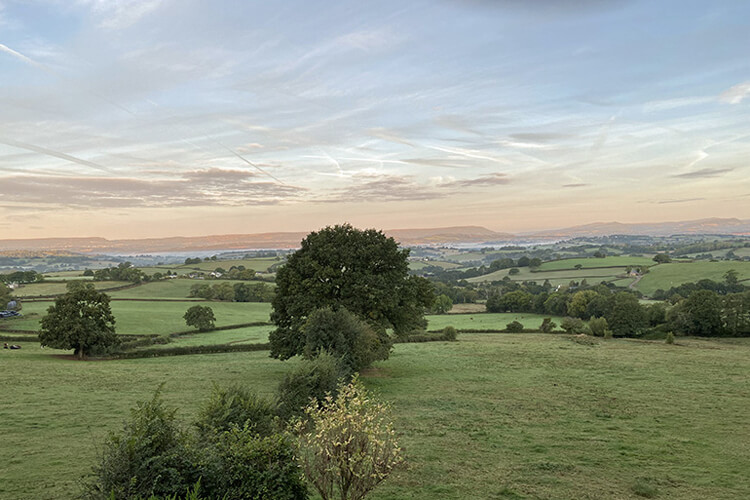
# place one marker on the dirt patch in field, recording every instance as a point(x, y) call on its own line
point(375, 373)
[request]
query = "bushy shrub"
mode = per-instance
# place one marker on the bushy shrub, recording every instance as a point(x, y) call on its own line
point(573, 325)
point(245, 465)
point(235, 406)
point(370, 455)
point(598, 326)
point(310, 380)
point(547, 325)
point(449, 333)
point(514, 327)
point(670, 338)
point(151, 456)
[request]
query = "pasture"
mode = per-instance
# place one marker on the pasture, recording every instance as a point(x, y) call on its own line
point(486, 321)
point(493, 416)
point(151, 317)
point(665, 276)
point(555, 277)
point(593, 262)
point(171, 289)
point(47, 288)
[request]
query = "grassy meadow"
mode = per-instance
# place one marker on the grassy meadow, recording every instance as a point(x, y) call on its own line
point(665, 276)
point(150, 317)
point(493, 416)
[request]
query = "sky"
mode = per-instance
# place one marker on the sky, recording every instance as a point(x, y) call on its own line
point(157, 118)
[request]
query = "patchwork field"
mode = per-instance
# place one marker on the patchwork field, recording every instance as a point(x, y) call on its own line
point(665, 276)
point(491, 416)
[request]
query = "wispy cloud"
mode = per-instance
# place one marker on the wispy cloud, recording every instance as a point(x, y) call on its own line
point(210, 187)
point(704, 173)
point(683, 200)
point(736, 94)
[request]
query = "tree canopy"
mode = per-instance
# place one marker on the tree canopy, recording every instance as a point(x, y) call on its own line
point(81, 320)
point(343, 267)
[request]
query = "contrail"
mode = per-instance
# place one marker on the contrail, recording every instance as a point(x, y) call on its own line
point(27, 60)
point(31, 147)
point(55, 154)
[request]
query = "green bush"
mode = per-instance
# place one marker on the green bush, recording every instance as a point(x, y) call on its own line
point(449, 333)
point(151, 456)
point(235, 406)
point(573, 325)
point(598, 326)
point(547, 325)
point(310, 380)
point(346, 337)
point(514, 327)
point(246, 465)
point(670, 338)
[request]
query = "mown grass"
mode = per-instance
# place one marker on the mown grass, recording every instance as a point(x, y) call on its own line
point(556, 277)
point(245, 335)
point(171, 289)
point(488, 417)
point(665, 276)
point(139, 318)
point(46, 288)
point(486, 321)
point(587, 263)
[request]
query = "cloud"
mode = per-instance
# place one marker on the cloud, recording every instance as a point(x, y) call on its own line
point(736, 94)
point(575, 185)
point(117, 14)
point(373, 187)
point(683, 200)
point(209, 187)
point(704, 173)
point(496, 179)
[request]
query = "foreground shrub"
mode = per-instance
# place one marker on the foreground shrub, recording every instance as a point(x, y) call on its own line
point(235, 406)
point(150, 457)
point(670, 338)
point(310, 380)
point(245, 465)
point(514, 327)
point(347, 445)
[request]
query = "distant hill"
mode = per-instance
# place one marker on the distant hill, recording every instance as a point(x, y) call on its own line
point(464, 234)
point(701, 226)
point(419, 236)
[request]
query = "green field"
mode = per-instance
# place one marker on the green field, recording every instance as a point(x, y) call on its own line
point(140, 317)
point(171, 289)
point(665, 276)
point(560, 277)
point(47, 288)
point(246, 335)
point(486, 321)
point(489, 417)
point(592, 262)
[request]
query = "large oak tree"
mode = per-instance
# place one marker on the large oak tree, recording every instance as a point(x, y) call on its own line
point(362, 271)
point(81, 320)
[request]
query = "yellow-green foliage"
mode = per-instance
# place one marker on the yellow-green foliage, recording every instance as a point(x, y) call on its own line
point(347, 445)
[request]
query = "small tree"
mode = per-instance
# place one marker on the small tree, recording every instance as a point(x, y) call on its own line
point(547, 325)
point(347, 446)
point(514, 327)
point(201, 317)
point(573, 325)
point(598, 326)
point(442, 304)
point(670, 338)
point(81, 320)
